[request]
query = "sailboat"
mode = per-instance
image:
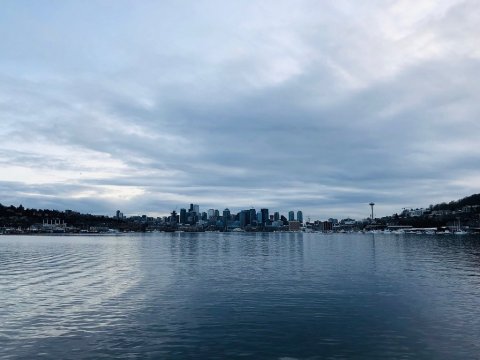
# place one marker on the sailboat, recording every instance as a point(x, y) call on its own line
point(459, 230)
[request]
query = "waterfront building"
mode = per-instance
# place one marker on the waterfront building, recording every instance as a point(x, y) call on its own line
point(294, 225)
point(291, 216)
point(299, 216)
point(277, 224)
point(276, 216)
point(326, 226)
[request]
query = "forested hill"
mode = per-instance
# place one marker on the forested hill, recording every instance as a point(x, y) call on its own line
point(459, 204)
point(23, 217)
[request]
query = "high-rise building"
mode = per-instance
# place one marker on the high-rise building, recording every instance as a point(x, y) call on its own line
point(211, 213)
point(196, 209)
point(253, 216)
point(299, 216)
point(243, 218)
point(265, 216)
point(276, 216)
point(173, 217)
point(247, 217)
point(226, 217)
point(259, 217)
point(183, 216)
point(291, 216)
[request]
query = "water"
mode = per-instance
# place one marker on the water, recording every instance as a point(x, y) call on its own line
point(229, 296)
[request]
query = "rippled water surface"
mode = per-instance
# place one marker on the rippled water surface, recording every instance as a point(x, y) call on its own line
point(227, 296)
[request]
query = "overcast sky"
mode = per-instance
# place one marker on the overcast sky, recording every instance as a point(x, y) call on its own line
point(320, 106)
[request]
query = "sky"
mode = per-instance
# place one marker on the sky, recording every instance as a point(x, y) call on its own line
point(319, 106)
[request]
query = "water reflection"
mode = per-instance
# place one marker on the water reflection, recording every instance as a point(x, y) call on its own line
point(50, 287)
point(226, 295)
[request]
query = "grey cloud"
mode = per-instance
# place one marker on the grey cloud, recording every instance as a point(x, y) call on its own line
point(208, 124)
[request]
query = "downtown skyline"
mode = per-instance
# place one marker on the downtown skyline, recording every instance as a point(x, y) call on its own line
point(288, 104)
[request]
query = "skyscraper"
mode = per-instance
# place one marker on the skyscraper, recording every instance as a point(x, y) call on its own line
point(299, 216)
point(291, 216)
point(196, 209)
point(211, 213)
point(253, 216)
point(226, 217)
point(183, 216)
point(276, 216)
point(243, 218)
point(264, 215)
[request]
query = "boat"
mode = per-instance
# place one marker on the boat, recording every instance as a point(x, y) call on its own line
point(458, 230)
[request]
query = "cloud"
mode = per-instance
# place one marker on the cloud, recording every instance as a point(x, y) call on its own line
point(320, 107)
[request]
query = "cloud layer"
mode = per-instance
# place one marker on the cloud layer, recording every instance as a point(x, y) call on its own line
point(322, 107)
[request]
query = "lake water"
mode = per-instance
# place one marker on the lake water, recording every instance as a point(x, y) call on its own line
point(239, 295)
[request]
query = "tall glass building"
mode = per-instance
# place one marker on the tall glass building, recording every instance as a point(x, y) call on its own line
point(299, 216)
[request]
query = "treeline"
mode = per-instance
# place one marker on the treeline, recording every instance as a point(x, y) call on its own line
point(459, 204)
point(465, 211)
point(424, 222)
point(12, 216)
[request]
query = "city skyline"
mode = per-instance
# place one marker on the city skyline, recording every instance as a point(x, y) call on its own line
point(323, 107)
